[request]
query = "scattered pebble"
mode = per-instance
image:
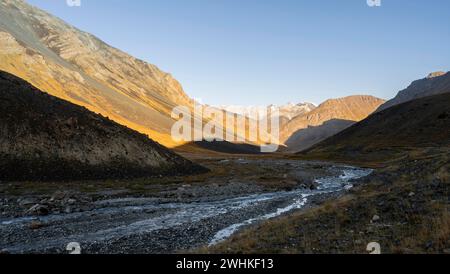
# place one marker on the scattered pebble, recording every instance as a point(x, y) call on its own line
point(375, 218)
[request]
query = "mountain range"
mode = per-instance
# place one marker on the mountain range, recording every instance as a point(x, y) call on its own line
point(418, 118)
point(92, 125)
point(76, 66)
point(327, 119)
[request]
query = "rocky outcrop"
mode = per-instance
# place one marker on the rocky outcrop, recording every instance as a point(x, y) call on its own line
point(46, 138)
point(436, 74)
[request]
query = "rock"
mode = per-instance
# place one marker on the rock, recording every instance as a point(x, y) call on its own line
point(58, 195)
point(68, 210)
point(375, 218)
point(4, 252)
point(411, 194)
point(35, 225)
point(27, 202)
point(39, 209)
point(71, 201)
point(435, 74)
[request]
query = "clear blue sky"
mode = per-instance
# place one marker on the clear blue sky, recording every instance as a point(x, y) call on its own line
point(256, 52)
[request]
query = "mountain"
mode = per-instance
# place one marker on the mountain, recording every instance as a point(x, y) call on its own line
point(418, 124)
point(290, 110)
point(326, 120)
point(435, 83)
point(78, 67)
point(45, 138)
point(286, 112)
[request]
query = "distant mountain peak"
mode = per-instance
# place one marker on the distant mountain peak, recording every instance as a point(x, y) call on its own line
point(435, 83)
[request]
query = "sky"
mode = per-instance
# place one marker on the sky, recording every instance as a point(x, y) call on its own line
point(260, 52)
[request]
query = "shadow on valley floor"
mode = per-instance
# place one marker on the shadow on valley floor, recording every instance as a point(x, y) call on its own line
point(220, 147)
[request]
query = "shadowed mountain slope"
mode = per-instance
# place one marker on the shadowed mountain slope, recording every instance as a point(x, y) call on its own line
point(435, 83)
point(46, 138)
point(298, 134)
point(311, 135)
point(422, 123)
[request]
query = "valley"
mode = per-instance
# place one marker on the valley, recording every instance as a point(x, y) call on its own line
point(165, 215)
point(108, 151)
point(403, 206)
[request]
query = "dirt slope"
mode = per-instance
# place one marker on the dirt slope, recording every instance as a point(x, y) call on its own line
point(46, 138)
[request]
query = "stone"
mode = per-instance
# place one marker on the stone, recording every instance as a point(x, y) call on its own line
point(58, 195)
point(36, 225)
point(435, 74)
point(39, 209)
point(4, 252)
point(375, 218)
point(27, 202)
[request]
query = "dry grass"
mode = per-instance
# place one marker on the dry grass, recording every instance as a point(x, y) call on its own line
point(411, 199)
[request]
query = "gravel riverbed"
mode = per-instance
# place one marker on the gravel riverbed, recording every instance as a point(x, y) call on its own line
point(178, 218)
